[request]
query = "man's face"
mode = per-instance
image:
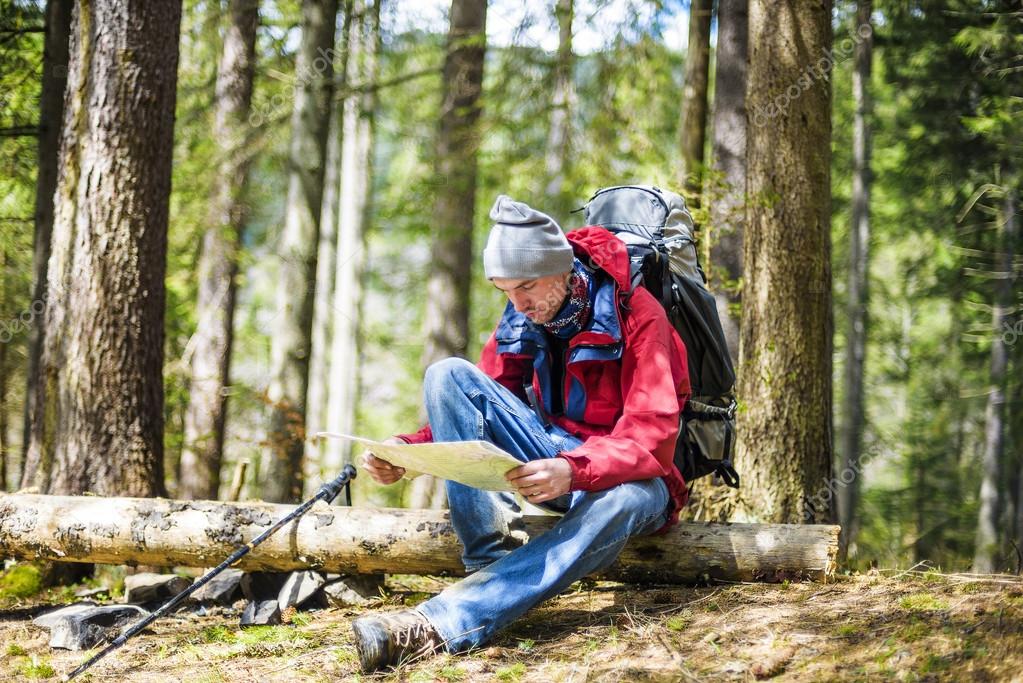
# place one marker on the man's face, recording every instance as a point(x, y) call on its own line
point(538, 298)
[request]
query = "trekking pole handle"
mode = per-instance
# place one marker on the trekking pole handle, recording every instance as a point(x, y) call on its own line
point(330, 490)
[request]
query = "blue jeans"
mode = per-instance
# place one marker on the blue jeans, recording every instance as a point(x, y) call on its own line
point(507, 578)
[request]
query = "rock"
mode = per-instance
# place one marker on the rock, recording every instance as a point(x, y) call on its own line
point(91, 592)
point(340, 595)
point(366, 585)
point(353, 591)
point(222, 589)
point(148, 587)
point(299, 587)
point(261, 613)
point(48, 619)
point(262, 585)
point(80, 627)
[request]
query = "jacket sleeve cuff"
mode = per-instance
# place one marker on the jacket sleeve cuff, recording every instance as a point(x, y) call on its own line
point(424, 435)
point(581, 477)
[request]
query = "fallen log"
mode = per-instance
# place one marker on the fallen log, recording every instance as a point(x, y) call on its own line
point(161, 532)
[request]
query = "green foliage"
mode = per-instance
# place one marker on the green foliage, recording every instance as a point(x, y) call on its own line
point(36, 668)
point(947, 120)
point(914, 631)
point(14, 650)
point(266, 634)
point(922, 602)
point(848, 630)
point(511, 674)
point(218, 634)
point(943, 126)
point(451, 673)
point(20, 581)
point(679, 622)
point(20, 85)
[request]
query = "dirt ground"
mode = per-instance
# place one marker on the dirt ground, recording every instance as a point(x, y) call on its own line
point(909, 626)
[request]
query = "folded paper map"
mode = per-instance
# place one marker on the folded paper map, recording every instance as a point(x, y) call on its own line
point(479, 464)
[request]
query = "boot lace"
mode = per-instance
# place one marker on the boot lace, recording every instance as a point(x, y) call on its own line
point(412, 635)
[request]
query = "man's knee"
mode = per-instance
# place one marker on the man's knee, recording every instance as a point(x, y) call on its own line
point(633, 503)
point(447, 375)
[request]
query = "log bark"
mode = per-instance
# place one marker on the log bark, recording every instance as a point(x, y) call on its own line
point(363, 540)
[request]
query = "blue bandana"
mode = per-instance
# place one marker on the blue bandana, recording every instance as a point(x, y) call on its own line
point(575, 311)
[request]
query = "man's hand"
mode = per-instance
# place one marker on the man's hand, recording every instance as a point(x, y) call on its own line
point(541, 480)
point(382, 471)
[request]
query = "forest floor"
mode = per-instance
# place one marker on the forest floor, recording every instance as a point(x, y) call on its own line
point(914, 626)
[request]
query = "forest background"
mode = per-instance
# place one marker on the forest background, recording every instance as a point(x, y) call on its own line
point(935, 462)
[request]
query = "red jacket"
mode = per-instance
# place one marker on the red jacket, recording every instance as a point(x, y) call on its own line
point(626, 379)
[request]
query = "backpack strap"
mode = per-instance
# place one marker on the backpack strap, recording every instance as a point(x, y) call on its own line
point(725, 470)
point(527, 386)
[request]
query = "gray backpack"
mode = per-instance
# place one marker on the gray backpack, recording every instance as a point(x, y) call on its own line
point(657, 229)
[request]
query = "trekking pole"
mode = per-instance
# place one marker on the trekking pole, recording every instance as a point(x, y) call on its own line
point(327, 492)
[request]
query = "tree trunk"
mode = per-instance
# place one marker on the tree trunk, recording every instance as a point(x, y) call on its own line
point(559, 142)
point(693, 128)
point(51, 114)
point(218, 262)
point(985, 554)
point(5, 445)
point(785, 445)
point(726, 196)
point(299, 242)
point(446, 319)
point(99, 421)
point(364, 540)
point(920, 497)
point(326, 265)
point(1017, 402)
point(859, 281)
point(356, 183)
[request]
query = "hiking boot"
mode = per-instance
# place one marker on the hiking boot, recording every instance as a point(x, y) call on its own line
point(392, 639)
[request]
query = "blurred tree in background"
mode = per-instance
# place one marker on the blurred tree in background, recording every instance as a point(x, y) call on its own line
point(563, 113)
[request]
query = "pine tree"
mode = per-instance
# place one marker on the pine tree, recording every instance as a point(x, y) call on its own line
point(99, 423)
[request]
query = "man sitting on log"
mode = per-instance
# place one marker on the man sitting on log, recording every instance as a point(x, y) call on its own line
point(583, 381)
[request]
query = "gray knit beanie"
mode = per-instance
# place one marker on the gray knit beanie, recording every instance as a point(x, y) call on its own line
point(524, 243)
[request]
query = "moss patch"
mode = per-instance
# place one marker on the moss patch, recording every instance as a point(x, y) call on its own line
point(914, 631)
point(511, 674)
point(922, 602)
point(15, 650)
point(36, 668)
point(20, 581)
